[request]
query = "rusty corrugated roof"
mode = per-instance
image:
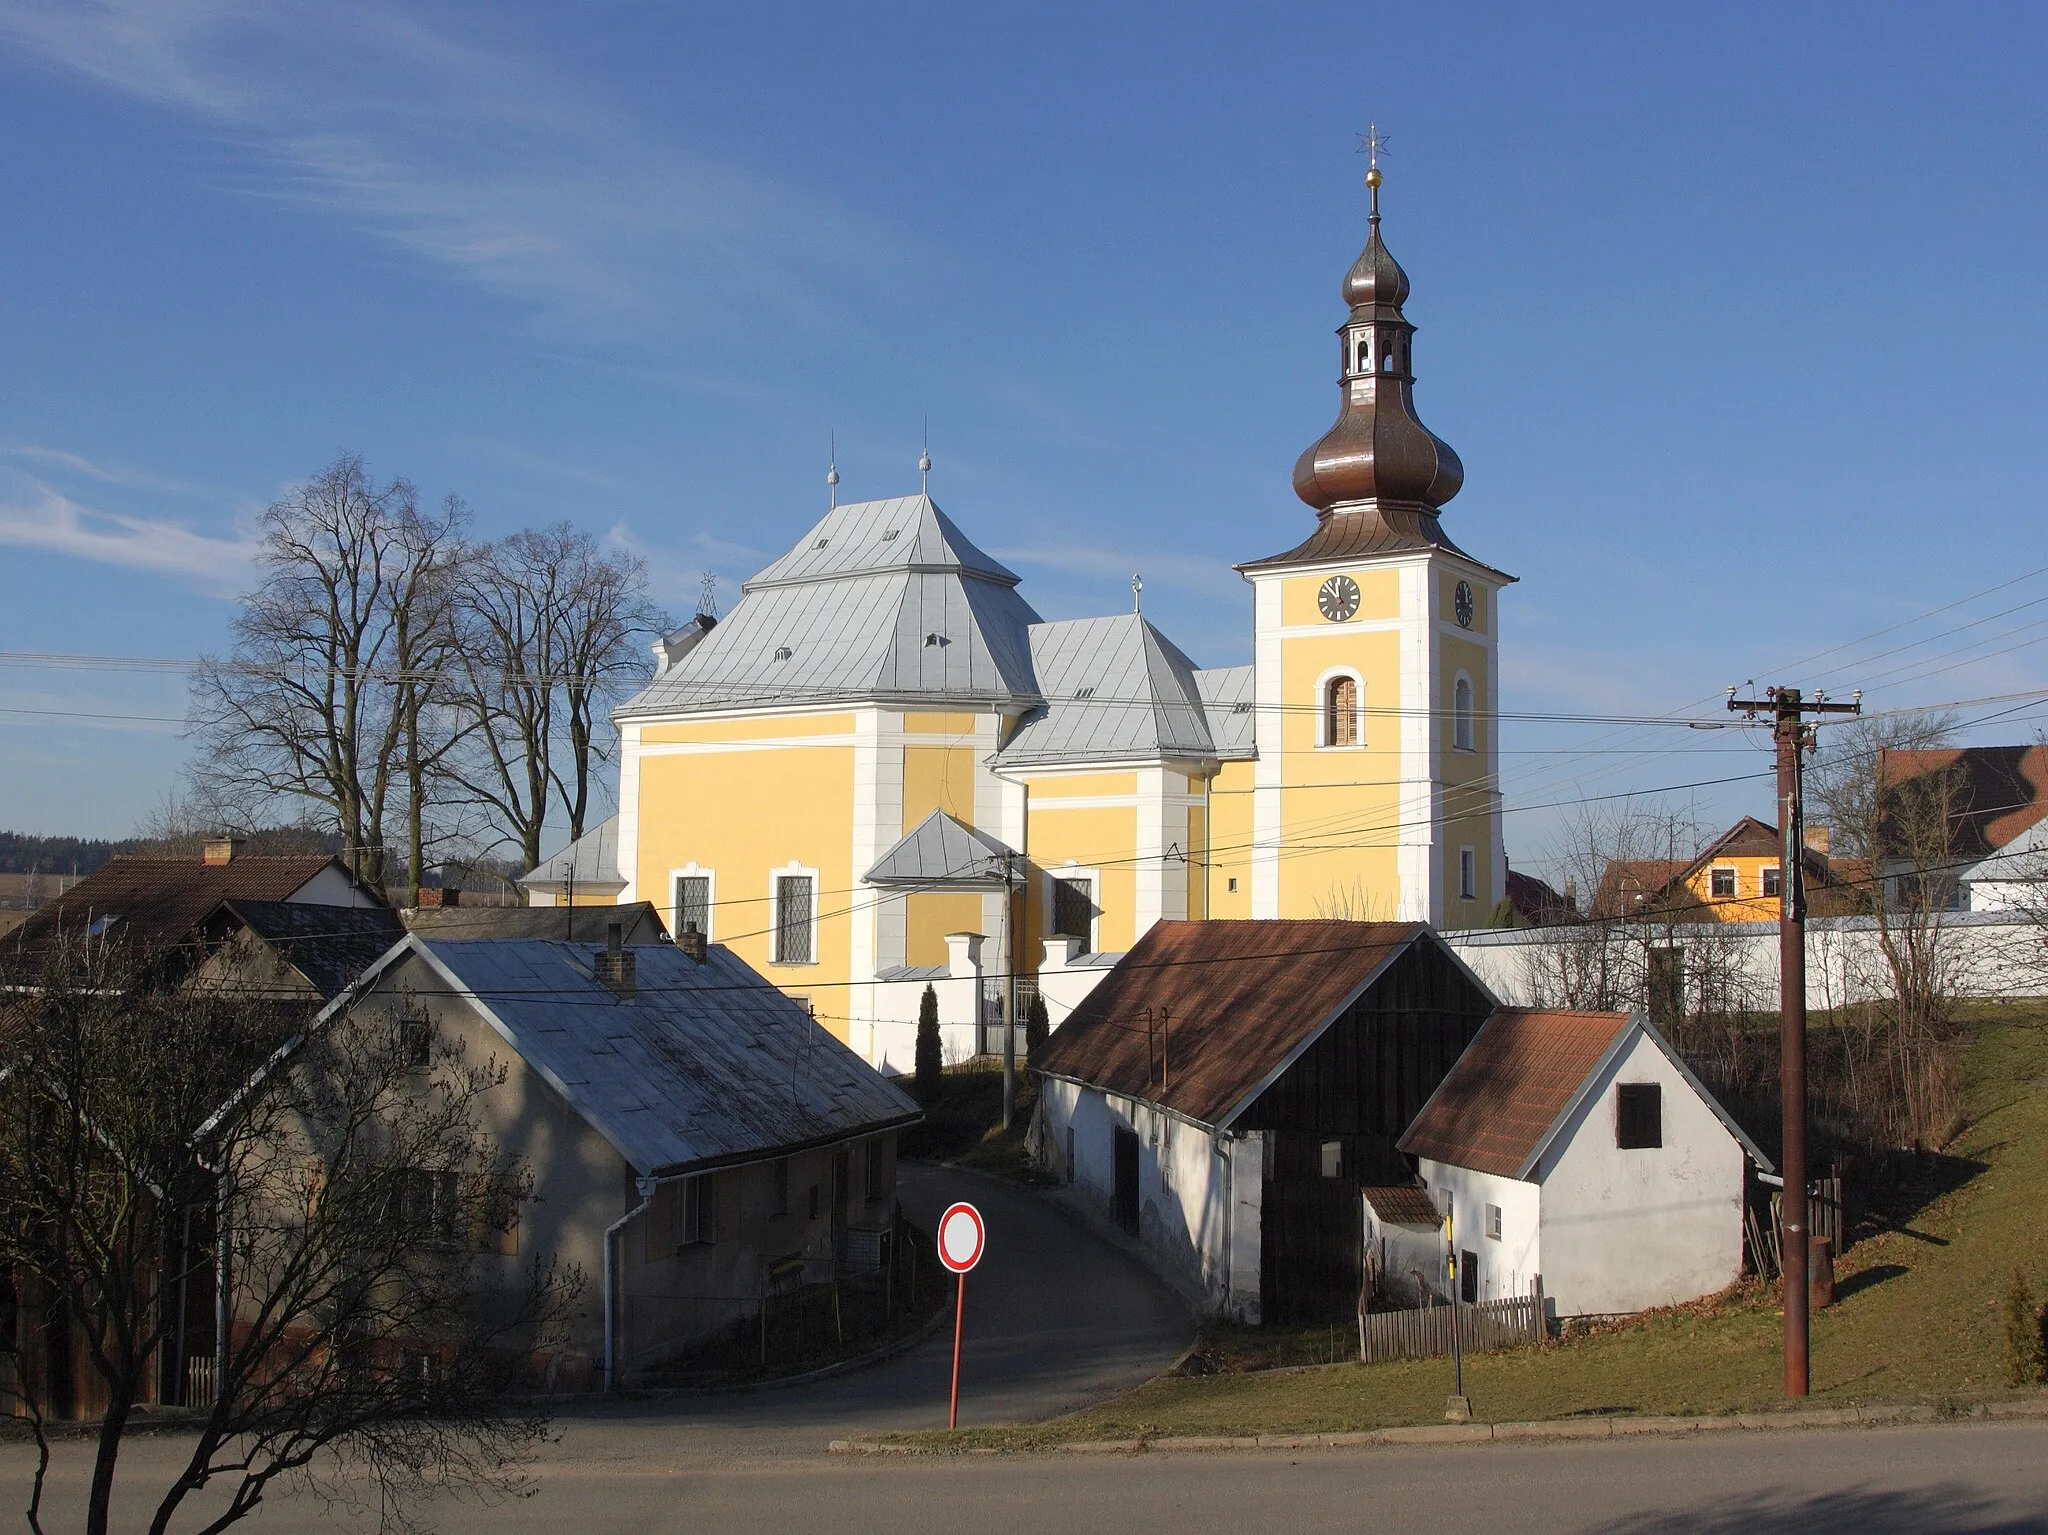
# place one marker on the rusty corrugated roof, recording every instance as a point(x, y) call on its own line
point(1494, 1110)
point(1402, 1204)
point(1200, 1016)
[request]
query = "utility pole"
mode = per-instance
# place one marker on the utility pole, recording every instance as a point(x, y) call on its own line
point(1793, 736)
point(1013, 949)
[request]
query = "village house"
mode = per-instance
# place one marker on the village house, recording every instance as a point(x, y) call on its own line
point(1575, 1150)
point(782, 768)
point(1736, 878)
point(689, 1126)
point(639, 921)
point(1227, 1089)
point(1992, 851)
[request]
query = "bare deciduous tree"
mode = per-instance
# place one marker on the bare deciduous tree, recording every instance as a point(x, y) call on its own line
point(548, 626)
point(175, 1160)
point(319, 702)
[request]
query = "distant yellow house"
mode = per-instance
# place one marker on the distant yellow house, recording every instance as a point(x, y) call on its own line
point(1736, 879)
point(883, 770)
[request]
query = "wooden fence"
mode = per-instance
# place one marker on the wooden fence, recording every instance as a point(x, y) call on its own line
point(1425, 1334)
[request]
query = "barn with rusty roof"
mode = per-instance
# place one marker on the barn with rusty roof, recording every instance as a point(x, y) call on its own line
point(1230, 1086)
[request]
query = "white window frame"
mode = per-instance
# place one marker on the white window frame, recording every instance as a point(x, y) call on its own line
point(790, 870)
point(1763, 879)
point(1323, 742)
point(1094, 878)
point(693, 870)
point(1734, 874)
point(1468, 873)
point(1464, 733)
point(1495, 1217)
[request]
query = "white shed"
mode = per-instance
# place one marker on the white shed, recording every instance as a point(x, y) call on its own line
point(1578, 1147)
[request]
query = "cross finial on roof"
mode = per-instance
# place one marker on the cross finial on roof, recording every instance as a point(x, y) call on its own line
point(924, 461)
point(1370, 143)
point(832, 475)
point(1137, 592)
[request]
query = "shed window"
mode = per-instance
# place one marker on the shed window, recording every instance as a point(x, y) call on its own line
point(874, 1172)
point(700, 1210)
point(1333, 1159)
point(1721, 884)
point(795, 911)
point(1340, 712)
point(1073, 910)
point(1468, 1276)
point(778, 1189)
point(693, 903)
point(1493, 1222)
point(1639, 1116)
point(1461, 715)
point(414, 1041)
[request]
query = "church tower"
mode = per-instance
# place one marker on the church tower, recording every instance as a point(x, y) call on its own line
point(1375, 654)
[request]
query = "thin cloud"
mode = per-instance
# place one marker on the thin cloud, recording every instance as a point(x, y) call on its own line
point(496, 168)
point(106, 474)
point(56, 524)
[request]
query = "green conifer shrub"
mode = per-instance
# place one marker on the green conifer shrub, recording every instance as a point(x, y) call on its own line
point(931, 1057)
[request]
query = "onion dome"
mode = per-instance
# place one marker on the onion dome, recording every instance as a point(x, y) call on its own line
point(1378, 455)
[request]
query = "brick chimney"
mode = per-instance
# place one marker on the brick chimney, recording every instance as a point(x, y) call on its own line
point(614, 964)
point(1817, 840)
point(219, 850)
point(692, 943)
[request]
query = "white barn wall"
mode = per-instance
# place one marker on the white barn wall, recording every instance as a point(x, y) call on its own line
point(1509, 1266)
point(1628, 1230)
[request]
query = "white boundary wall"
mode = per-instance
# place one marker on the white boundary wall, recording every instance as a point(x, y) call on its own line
point(1991, 955)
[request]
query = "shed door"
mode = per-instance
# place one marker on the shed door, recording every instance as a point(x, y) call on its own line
point(1126, 1159)
point(1311, 1234)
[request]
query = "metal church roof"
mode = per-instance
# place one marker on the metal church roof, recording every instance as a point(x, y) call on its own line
point(882, 600)
point(1114, 688)
point(943, 853)
point(703, 1064)
point(591, 861)
point(1227, 705)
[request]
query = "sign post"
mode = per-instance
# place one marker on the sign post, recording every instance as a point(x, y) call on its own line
point(962, 1240)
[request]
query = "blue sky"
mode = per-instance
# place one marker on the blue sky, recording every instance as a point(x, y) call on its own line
point(1735, 315)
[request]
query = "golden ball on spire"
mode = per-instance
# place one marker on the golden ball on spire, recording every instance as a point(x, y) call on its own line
point(1372, 177)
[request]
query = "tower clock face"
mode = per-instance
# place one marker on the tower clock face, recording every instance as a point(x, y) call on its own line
point(1338, 599)
point(1461, 604)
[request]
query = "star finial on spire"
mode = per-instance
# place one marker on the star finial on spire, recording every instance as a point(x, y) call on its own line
point(1370, 143)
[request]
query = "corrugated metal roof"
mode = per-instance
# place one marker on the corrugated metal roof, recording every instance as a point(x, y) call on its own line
point(942, 852)
point(1232, 1001)
point(852, 613)
point(1495, 1109)
point(1114, 688)
point(1227, 700)
point(703, 1064)
point(329, 945)
point(578, 924)
point(593, 858)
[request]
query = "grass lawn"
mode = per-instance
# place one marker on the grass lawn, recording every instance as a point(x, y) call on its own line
point(1916, 1319)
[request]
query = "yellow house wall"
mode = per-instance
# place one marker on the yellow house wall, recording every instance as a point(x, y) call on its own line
point(744, 814)
point(1230, 841)
point(1748, 904)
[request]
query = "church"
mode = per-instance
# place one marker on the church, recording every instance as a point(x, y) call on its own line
point(883, 770)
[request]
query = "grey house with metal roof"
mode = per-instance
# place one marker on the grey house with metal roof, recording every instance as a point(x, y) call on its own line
point(691, 1129)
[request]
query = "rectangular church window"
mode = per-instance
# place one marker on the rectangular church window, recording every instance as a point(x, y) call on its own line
point(693, 903)
point(1073, 910)
point(795, 909)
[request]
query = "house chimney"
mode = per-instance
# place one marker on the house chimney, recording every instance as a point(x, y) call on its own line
point(615, 962)
point(218, 850)
point(691, 942)
point(1817, 840)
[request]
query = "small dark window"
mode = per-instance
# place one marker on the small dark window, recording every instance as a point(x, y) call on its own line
point(1333, 1159)
point(1340, 712)
point(415, 1041)
point(1721, 884)
point(1638, 1116)
point(700, 1210)
point(1468, 1276)
point(874, 1172)
point(778, 1190)
point(1774, 883)
point(814, 1201)
point(1073, 910)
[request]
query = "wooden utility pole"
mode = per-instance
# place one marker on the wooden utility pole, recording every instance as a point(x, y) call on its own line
point(1793, 737)
point(1014, 950)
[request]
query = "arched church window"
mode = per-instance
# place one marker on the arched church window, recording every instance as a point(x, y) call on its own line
point(1387, 360)
point(1364, 355)
point(1461, 714)
point(1340, 712)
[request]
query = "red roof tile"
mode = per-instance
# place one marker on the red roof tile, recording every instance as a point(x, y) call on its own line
point(1402, 1204)
point(161, 900)
point(1508, 1088)
point(1224, 1003)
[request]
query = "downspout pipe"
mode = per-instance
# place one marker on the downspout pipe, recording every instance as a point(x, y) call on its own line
point(645, 1187)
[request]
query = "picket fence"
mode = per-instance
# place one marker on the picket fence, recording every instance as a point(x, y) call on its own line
point(1425, 1334)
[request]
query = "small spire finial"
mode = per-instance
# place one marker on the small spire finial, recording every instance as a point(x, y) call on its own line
point(832, 475)
point(924, 461)
point(1370, 143)
point(707, 595)
point(1137, 592)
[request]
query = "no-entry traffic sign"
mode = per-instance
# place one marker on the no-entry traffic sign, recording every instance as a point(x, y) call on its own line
point(961, 1237)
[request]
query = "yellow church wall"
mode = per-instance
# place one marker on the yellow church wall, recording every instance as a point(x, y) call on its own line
point(1230, 841)
point(1379, 596)
point(1470, 658)
point(743, 815)
point(1104, 839)
point(939, 724)
point(759, 729)
point(930, 915)
point(1081, 785)
point(1348, 797)
point(937, 778)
